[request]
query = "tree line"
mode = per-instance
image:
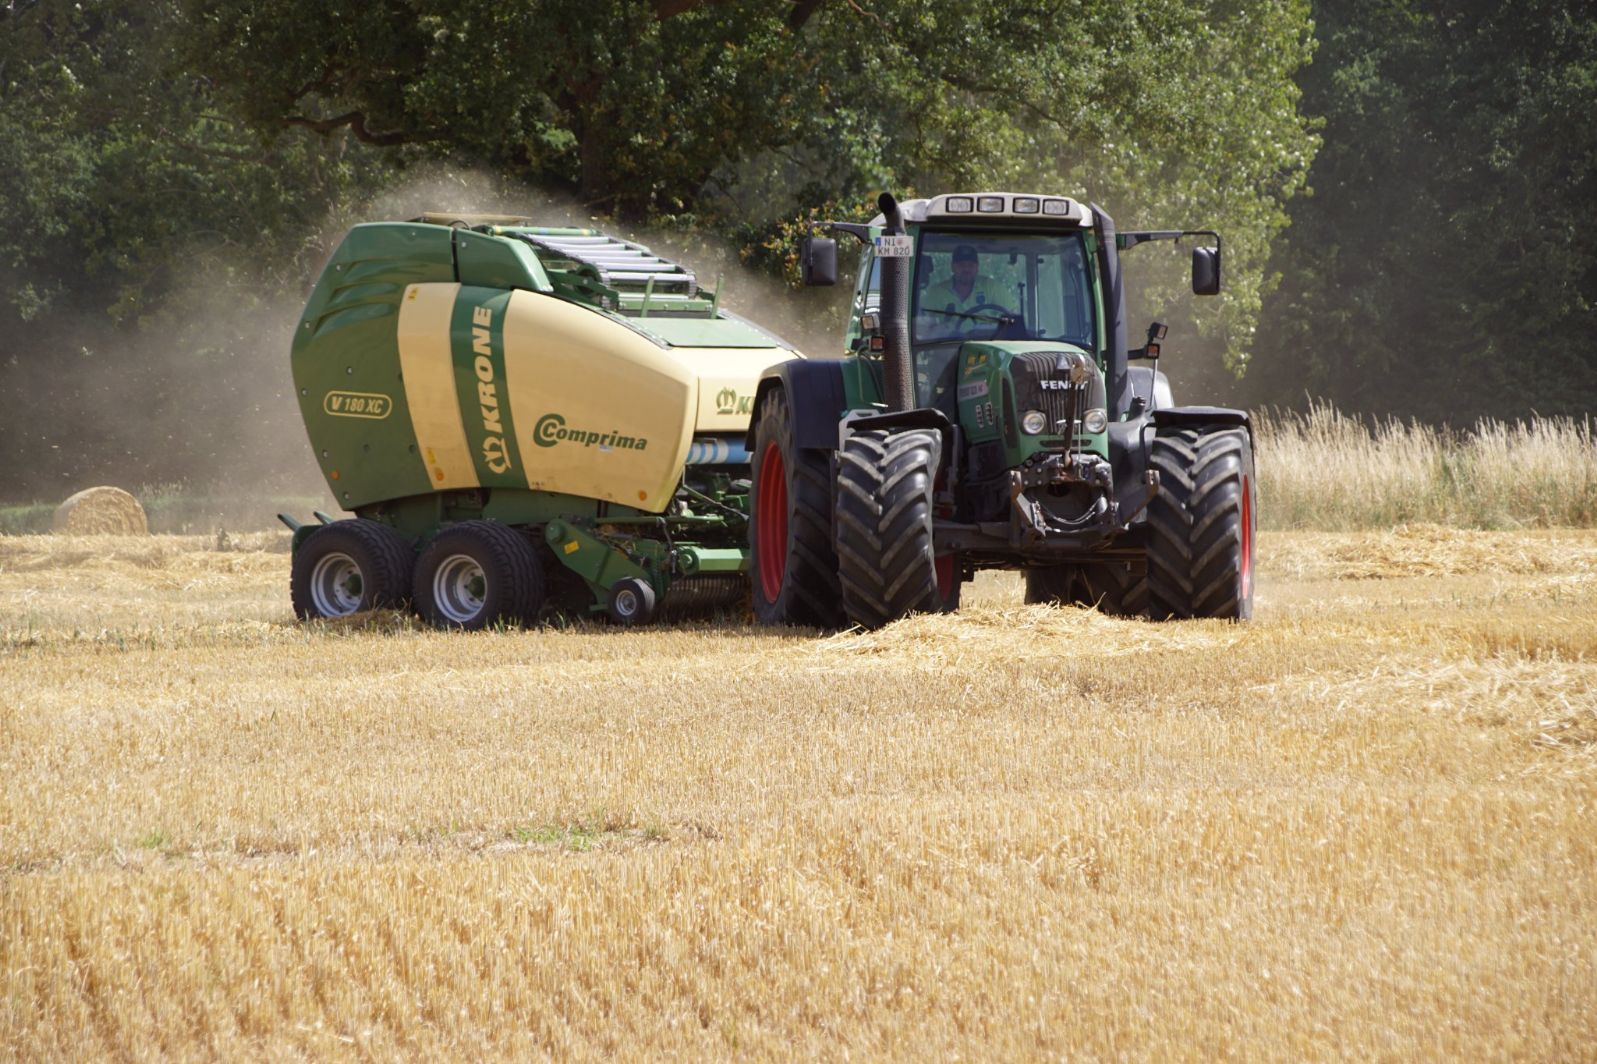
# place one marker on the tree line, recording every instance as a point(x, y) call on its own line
point(1401, 184)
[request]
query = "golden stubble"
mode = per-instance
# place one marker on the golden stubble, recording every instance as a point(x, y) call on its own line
point(1358, 827)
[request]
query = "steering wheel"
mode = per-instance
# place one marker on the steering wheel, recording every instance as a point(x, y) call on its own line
point(1002, 311)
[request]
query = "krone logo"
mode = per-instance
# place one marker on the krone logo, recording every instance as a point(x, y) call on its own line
point(728, 401)
point(551, 429)
point(494, 455)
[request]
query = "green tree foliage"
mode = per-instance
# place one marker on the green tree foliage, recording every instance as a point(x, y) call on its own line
point(740, 115)
point(145, 230)
point(1444, 267)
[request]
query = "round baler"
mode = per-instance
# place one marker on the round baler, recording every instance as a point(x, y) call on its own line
point(522, 418)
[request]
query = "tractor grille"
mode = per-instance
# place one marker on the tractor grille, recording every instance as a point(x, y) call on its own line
point(1034, 372)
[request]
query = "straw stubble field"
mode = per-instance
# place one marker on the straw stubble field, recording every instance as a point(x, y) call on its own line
point(1359, 827)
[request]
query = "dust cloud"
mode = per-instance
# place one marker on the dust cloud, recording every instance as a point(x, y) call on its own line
point(198, 401)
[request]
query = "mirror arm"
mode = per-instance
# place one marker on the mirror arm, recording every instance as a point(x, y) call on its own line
point(862, 233)
point(1123, 241)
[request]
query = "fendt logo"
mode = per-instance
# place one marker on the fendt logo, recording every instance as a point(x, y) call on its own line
point(495, 455)
point(728, 401)
point(551, 430)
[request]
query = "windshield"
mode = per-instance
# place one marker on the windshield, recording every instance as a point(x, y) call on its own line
point(1020, 286)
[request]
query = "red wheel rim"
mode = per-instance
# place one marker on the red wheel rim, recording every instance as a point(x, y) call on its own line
point(945, 576)
point(1247, 539)
point(770, 515)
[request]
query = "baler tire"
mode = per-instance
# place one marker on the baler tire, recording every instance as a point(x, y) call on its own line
point(1201, 524)
point(794, 582)
point(631, 602)
point(886, 566)
point(511, 575)
point(330, 558)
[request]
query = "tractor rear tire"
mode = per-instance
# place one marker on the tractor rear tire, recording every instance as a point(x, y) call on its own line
point(949, 568)
point(349, 566)
point(1052, 585)
point(1200, 524)
point(790, 533)
point(886, 567)
point(1117, 589)
point(476, 574)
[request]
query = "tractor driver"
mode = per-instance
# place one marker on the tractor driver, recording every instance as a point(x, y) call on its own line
point(966, 289)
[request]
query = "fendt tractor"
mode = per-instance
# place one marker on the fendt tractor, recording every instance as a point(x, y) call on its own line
point(522, 418)
point(990, 417)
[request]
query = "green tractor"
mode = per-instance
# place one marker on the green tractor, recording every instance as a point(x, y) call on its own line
point(990, 416)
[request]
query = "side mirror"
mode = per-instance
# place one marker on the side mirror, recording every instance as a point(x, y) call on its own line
point(1206, 271)
point(818, 261)
point(1156, 334)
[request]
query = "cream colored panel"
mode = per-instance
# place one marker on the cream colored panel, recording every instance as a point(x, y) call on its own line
point(428, 364)
point(727, 380)
point(599, 411)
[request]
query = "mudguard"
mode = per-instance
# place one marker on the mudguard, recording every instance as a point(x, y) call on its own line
point(815, 395)
point(1203, 415)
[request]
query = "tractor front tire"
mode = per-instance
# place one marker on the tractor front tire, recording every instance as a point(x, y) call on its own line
point(1200, 524)
point(790, 533)
point(476, 574)
point(886, 567)
point(349, 566)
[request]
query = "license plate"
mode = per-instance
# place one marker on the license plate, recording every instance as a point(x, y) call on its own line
point(894, 247)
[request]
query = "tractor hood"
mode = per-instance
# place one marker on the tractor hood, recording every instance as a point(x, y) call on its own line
point(1001, 381)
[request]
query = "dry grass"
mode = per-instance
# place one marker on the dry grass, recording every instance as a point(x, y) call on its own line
point(1358, 828)
point(1326, 470)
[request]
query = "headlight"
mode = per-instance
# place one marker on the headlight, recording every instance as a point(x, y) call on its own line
point(1033, 422)
point(1095, 420)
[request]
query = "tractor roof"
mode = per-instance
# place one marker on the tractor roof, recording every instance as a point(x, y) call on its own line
point(1009, 207)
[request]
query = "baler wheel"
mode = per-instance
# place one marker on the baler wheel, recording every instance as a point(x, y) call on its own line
point(790, 535)
point(476, 574)
point(1200, 524)
point(349, 566)
point(884, 526)
point(631, 602)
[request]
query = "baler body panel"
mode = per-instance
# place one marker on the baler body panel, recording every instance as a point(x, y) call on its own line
point(413, 382)
point(601, 411)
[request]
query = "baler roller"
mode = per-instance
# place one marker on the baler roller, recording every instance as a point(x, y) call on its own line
point(618, 263)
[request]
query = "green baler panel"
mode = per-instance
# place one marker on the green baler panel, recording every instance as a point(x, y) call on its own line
point(496, 262)
point(346, 359)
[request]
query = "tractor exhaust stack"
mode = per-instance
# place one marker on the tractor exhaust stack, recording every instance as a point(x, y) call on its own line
point(900, 382)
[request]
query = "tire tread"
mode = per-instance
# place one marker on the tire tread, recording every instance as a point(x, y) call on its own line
point(1195, 523)
point(886, 568)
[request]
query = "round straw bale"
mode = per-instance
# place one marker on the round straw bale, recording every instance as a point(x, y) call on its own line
point(101, 512)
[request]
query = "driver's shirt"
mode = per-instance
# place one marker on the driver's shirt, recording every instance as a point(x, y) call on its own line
point(941, 296)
